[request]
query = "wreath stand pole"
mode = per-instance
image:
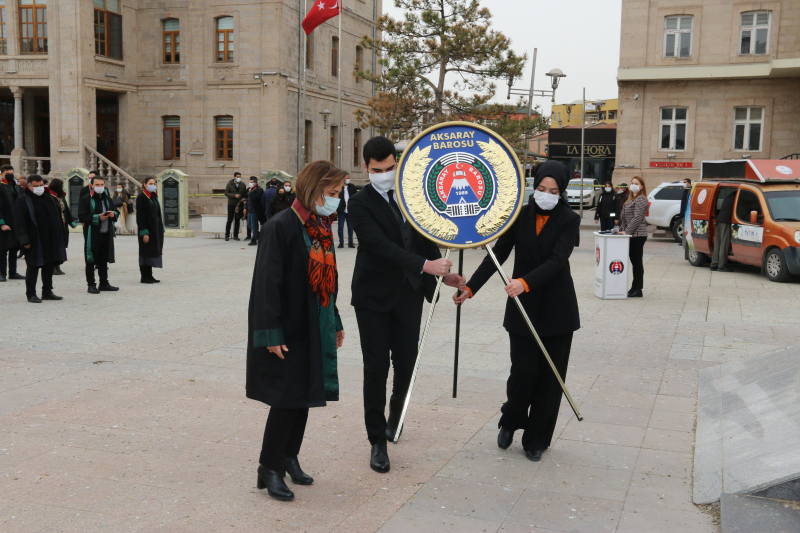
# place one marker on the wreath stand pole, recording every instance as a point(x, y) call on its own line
point(458, 327)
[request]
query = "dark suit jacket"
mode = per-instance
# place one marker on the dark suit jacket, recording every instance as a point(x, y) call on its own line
point(542, 261)
point(353, 190)
point(382, 260)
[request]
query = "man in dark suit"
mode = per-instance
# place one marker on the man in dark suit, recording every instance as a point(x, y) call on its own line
point(395, 269)
point(348, 191)
point(86, 189)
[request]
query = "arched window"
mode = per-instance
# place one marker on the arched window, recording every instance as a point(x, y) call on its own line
point(171, 37)
point(225, 39)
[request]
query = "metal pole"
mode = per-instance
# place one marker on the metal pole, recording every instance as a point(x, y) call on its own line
point(583, 128)
point(530, 105)
point(536, 336)
point(458, 328)
point(339, 75)
point(300, 71)
point(419, 353)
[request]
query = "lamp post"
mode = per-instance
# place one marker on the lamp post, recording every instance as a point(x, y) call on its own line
point(598, 104)
point(325, 114)
point(555, 76)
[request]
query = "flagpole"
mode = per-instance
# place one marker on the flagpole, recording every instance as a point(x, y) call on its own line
point(300, 71)
point(339, 75)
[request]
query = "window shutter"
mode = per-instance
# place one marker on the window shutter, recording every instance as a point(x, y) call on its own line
point(167, 144)
point(225, 122)
point(171, 25)
point(172, 122)
point(115, 35)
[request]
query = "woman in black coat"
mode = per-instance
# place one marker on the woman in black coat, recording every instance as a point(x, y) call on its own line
point(67, 219)
point(151, 230)
point(543, 237)
point(606, 211)
point(294, 327)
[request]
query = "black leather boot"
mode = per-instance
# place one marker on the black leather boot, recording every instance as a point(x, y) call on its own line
point(296, 473)
point(273, 482)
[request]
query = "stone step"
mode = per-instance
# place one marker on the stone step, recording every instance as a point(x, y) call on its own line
point(749, 514)
point(194, 214)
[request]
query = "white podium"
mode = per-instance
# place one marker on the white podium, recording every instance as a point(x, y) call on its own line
point(611, 266)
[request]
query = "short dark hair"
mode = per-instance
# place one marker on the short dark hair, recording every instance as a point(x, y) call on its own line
point(147, 179)
point(6, 167)
point(57, 186)
point(35, 177)
point(237, 174)
point(378, 149)
point(687, 179)
point(253, 178)
point(93, 172)
point(98, 177)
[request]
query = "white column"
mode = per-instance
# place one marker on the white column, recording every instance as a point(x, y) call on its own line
point(18, 141)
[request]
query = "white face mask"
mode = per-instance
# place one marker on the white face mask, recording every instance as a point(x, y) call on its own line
point(608, 189)
point(119, 189)
point(347, 181)
point(545, 200)
point(251, 185)
point(287, 189)
point(238, 180)
point(635, 188)
point(38, 191)
point(152, 188)
point(99, 190)
point(383, 181)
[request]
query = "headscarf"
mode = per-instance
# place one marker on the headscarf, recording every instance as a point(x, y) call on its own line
point(552, 169)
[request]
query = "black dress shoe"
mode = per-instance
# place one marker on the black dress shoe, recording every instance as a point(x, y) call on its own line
point(93, 289)
point(237, 239)
point(379, 460)
point(51, 296)
point(341, 245)
point(34, 299)
point(2, 277)
point(273, 482)
point(227, 237)
point(635, 294)
point(351, 245)
point(147, 280)
point(253, 243)
point(724, 269)
point(712, 269)
point(107, 287)
point(296, 473)
point(57, 271)
point(391, 429)
point(534, 455)
point(16, 275)
point(504, 438)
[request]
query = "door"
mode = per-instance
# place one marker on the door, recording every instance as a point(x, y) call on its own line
point(701, 216)
point(108, 128)
point(42, 132)
point(747, 238)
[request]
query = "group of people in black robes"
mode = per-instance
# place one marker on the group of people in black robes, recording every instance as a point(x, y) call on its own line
point(35, 219)
point(294, 327)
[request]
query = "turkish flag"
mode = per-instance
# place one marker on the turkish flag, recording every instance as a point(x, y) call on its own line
point(321, 11)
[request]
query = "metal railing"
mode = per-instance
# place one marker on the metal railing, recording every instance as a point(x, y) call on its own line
point(34, 165)
point(792, 156)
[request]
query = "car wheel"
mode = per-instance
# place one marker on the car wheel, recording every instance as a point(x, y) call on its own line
point(775, 266)
point(677, 230)
point(697, 259)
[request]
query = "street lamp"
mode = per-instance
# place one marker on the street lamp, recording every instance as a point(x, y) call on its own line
point(555, 77)
point(325, 114)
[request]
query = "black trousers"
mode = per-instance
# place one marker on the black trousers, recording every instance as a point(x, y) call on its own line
point(342, 220)
point(606, 223)
point(637, 266)
point(232, 218)
point(146, 271)
point(102, 266)
point(533, 392)
point(388, 337)
point(283, 436)
point(32, 276)
point(12, 261)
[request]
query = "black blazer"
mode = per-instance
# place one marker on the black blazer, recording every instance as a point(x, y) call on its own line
point(382, 260)
point(352, 191)
point(542, 261)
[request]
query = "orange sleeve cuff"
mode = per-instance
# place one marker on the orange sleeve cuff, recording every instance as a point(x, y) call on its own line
point(527, 289)
point(469, 291)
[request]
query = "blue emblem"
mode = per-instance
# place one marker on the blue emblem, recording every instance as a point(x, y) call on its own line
point(460, 184)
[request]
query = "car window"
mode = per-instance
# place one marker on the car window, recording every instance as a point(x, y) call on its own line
point(747, 202)
point(724, 192)
point(784, 205)
point(670, 192)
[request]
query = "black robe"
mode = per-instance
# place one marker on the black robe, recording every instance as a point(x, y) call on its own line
point(542, 261)
point(284, 310)
point(9, 193)
point(90, 208)
point(148, 220)
point(69, 220)
point(37, 222)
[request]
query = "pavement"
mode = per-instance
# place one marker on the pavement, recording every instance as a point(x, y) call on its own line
point(126, 411)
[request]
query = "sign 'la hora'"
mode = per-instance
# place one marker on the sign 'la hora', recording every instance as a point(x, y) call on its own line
point(460, 184)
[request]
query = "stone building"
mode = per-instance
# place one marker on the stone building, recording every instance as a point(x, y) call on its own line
point(208, 88)
point(717, 79)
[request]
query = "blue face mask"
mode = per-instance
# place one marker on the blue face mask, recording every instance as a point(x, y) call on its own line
point(330, 207)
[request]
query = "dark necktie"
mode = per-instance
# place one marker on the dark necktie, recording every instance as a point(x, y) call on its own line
point(395, 207)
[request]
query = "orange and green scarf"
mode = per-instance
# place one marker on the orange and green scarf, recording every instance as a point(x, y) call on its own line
point(321, 258)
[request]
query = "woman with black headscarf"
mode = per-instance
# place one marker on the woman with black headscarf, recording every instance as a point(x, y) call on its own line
point(543, 237)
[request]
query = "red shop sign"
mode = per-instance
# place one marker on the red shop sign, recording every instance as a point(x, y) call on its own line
point(671, 164)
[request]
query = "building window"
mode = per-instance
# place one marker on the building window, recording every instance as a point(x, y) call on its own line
point(673, 128)
point(333, 143)
point(309, 50)
point(356, 148)
point(754, 33)
point(359, 61)
point(612, 115)
point(748, 127)
point(3, 35)
point(335, 57)
point(172, 41)
point(172, 137)
point(107, 28)
point(678, 36)
point(307, 142)
point(224, 137)
point(33, 26)
point(225, 39)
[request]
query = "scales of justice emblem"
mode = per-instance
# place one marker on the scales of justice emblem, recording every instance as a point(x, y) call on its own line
point(461, 185)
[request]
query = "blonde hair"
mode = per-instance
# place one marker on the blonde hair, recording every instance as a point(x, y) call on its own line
point(642, 192)
point(314, 179)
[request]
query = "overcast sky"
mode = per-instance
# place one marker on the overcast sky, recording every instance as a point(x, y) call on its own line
point(578, 36)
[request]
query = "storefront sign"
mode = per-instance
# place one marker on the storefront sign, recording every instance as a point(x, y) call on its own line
point(574, 150)
point(671, 164)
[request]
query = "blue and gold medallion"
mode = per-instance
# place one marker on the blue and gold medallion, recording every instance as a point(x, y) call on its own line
point(460, 184)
